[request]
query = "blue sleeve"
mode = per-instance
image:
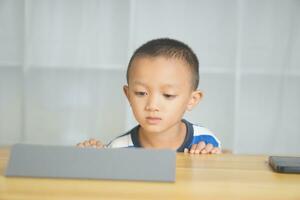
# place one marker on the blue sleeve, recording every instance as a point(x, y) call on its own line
point(208, 139)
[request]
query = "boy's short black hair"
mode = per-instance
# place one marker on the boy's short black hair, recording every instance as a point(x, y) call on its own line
point(169, 48)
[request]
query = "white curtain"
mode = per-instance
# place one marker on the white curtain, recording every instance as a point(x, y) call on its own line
point(63, 63)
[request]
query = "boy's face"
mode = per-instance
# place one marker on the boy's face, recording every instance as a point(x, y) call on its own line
point(160, 91)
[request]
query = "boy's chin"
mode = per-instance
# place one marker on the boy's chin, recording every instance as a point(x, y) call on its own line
point(152, 128)
point(157, 128)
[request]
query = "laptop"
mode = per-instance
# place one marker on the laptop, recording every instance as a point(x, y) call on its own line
point(136, 164)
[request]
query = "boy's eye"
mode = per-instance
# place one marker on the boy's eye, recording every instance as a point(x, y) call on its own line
point(140, 93)
point(169, 96)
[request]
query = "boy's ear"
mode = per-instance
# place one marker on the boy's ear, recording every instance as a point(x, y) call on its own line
point(126, 91)
point(196, 97)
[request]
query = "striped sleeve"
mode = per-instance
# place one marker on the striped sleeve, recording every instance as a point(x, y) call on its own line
point(121, 142)
point(205, 135)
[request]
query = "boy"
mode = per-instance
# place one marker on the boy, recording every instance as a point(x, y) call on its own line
point(162, 78)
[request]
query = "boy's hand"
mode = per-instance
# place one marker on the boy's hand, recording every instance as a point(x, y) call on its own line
point(91, 143)
point(202, 148)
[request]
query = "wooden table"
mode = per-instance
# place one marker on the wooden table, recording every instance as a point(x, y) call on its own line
point(206, 177)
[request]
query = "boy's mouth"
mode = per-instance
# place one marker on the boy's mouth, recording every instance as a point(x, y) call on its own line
point(153, 120)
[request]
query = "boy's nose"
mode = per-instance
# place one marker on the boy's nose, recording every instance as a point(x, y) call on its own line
point(152, 104)
point(151, 108)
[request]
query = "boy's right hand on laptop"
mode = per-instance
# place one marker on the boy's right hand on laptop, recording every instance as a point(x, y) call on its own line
point(91, 143)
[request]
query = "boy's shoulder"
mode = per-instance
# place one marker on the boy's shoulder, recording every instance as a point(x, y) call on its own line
point(204, 134)
point(201, 130)
point(121, 141)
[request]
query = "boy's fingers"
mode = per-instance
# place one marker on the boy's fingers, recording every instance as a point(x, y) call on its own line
point(90, 143)
point(213, 151)
point(200, 146)
point(86, 143)
point(207, 149)
point(80, 145)
point(216, 150)
point(93, 142)
point(193, 148)
point(99, 144)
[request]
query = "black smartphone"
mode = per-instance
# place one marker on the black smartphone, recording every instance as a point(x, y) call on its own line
point(285, 164)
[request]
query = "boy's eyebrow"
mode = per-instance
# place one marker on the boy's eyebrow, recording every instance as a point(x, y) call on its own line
point(139, 83)
point(169, 86)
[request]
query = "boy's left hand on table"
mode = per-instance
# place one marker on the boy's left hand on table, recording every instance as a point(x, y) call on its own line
point(202, 148)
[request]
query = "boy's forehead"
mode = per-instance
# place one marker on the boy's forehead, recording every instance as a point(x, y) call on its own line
point(159, 64)
point(145, 84)
point(167, 72)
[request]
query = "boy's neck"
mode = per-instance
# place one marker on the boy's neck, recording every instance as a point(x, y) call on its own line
point(172, 138)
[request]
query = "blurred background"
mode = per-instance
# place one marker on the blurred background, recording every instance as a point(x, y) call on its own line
point(63, 64)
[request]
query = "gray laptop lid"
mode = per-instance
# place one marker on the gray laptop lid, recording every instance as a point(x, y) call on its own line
point(71, 162)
